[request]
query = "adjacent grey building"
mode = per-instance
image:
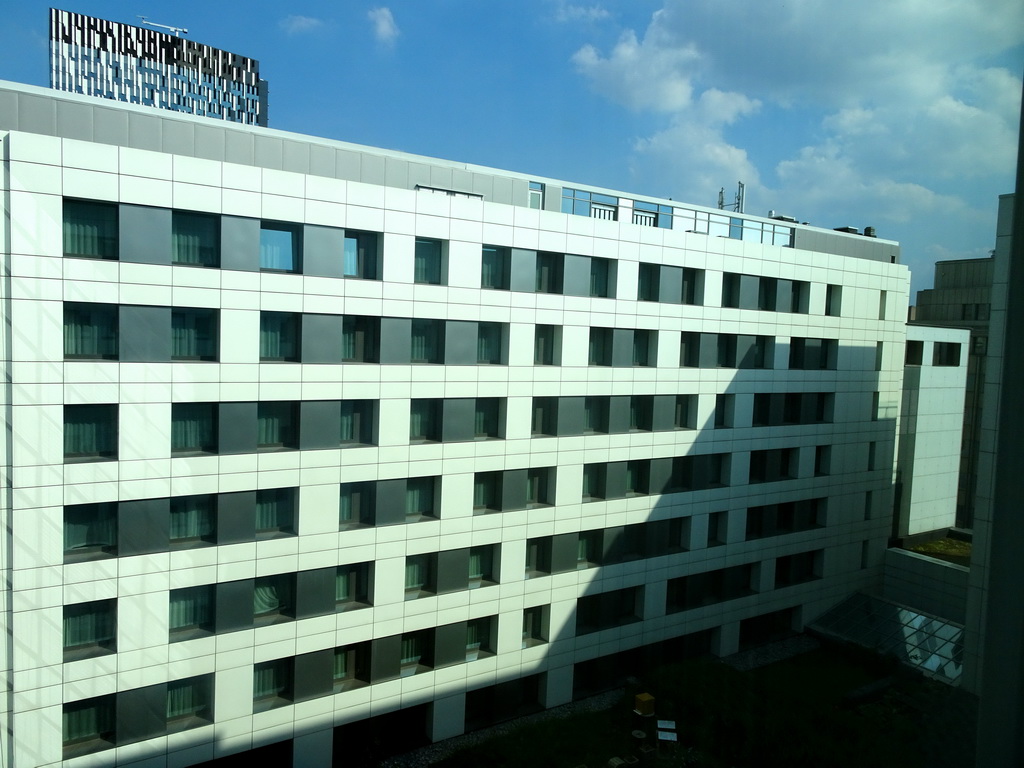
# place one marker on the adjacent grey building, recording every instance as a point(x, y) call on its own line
point(962, 297)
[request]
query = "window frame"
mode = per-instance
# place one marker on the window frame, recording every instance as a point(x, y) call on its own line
point(201, 628)
point(294, 262)
point(429, 261)
point(106, 518)
point(205, 442)
point(107, 332)
point(208, 347)
point(105, 641)
point(107, 236)
point(209, 253)
point(286, 327)
point(103, 416)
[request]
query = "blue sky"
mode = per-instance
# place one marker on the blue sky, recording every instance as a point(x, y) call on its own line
point(899, 114)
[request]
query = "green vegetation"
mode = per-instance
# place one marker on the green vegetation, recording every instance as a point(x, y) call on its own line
point(794, 713)
point(950, 550)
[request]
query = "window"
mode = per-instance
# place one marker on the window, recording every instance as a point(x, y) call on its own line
point(545, 341)
point(649, 285)
point(589, 548)
point(488, 343)
point(90, 331)
point(90, 433)
point(90, 629)
point(357, 422)
point(360, 257)
point(685, 414)
point(798, 568)
point(883, 301)
point(357, 504)
point(427, 341)
point(638, 476)
point(279, 336)
point(88, 725)
point(812, 354)
point(189, 703)
point(641, 413)
point(417, 652)
point(594, 482)
point(645, 347)
point(487, 418)
point(689, 350)
point(280, 246)
point(725, 411)
point(536, 193)
point(193, 428)
point(90, 229)
point(545, 416)
point(538, 556)
point(599, 351)
point(351, 586)
point(946, 353)
point(428, 262)
point(481, 566)
point(879, 355)
point(534, 630)
point(833, 300)
point(193, 520)
point(726, 350)
point(652, 214)
point(194, 334)
point(277, 426)
point(275, 511)
point(718, 523)
point(191, 612)
point(419, 575)
point(90, 531)
point(487, 492)
point(495, 268)
point(424, 421)
point(478, 638)
point(350, 666)
point(420, 495)
point(195, 239)
point(593, 204)
point(915, 352)
point(601, 278)
point(273, 598)
point(549, 272)
point(540, 486)
point(360, 339)
point(272, 684)
point(595, 414)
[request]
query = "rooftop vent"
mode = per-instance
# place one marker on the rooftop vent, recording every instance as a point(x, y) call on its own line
point(847, 230)
point(869, 232)
point(781, 217)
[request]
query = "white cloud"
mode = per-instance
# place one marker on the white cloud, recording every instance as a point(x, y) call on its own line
point(296, 25)
point(891, 110)
point(632, 77)
point(588, 13)
point(384, 27)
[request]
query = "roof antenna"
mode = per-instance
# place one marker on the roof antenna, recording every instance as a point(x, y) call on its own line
point(175, 30)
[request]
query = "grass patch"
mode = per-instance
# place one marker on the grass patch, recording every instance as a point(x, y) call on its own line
point(950, 550)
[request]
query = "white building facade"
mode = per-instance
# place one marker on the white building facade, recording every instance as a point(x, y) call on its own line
point(302, 433)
